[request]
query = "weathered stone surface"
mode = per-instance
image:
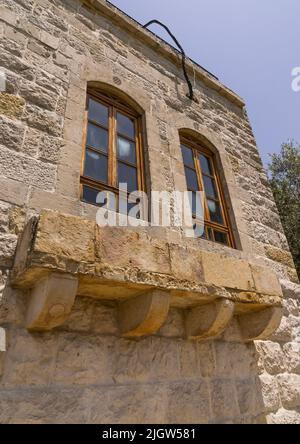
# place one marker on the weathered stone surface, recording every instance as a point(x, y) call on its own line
point(194, 396)
point(249, 400)
point(144, 314)
point(288, 417)
point(11, 134)
point(224, 400)
point(208, 321)
point(235, 359)
point(289, 389)
point(33, 172)
point(272, 357)
point(38, 96)
point(79, 232)
point(269, 389)
point(43, 120)
point(278, 255)
point(2, 348)
point(264, 281)
point(11, 106)
point(259, 325)
point(227, 272)
point(292, 357)
point(51, 301)
point(123, 255)
point(122, 247)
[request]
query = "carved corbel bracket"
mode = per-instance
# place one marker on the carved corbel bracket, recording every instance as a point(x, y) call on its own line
point(260, 325)
point(2, 348)
point(145, 314)
point(51, 301)
point(208, 321)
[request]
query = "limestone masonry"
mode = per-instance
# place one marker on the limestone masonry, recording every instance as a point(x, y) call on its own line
point(132, 325)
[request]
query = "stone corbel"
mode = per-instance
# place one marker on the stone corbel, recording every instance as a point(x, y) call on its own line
point(208, 321)
point(259, 325)
point(144, 315)
point(51, 301)
point(2, 348)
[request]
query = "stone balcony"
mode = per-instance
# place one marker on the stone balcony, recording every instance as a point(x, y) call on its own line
point(60, 257)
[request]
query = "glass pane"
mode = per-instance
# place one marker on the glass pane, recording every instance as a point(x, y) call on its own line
point(210, 187)
point(126, 150)
point(215, 211)
point(95, 166)
point(97, 137)
point(127, 174)
point(90, 194)
point(205, 165)
point(220, 237)
point(187, 155)
point(199, 231)
point(191, 179)
point(129, 207)
point(125, 125)
point(196, 204)
point(98, 112)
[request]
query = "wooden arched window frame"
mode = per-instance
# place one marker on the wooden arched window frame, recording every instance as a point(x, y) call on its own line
point(201, 174)
point(113, 147)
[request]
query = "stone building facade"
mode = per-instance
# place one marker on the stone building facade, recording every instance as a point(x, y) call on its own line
point(132, 325)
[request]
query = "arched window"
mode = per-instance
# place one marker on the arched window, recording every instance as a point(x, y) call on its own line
point(113, 151)
point(202, 175)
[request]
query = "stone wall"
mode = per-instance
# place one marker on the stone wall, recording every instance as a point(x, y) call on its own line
point(83, 371)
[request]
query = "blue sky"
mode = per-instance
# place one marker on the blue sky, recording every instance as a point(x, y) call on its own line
point(251, 45)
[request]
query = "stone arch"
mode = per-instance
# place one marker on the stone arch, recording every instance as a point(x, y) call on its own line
point(203, 139)
point(119, 93)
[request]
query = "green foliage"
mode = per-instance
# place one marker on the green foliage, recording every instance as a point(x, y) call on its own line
point(284, 171)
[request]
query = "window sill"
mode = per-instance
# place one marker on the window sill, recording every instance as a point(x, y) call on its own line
point(145, 276)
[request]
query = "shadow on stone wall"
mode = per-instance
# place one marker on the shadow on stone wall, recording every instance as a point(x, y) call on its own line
point(84, 372)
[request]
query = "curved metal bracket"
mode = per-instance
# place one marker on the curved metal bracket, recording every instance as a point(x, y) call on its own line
point(189, 83)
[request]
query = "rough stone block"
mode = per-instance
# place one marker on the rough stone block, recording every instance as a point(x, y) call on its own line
point(226, 272)
point(194, 396)
point(11, 134)
point(74, 231)
point(11, 105)
point(292, 357)
point(36, 95)
point(13, 191)
point(151, 360)
point(272, 357)
point(123, 247)
point(235, 359)
point(288, 417)
point(289, 388)
point(268, 387)
point(29, 170)
point(223, 399)
point(84, 360)
point(24, 352)
point(186, 265)
point(249, 400)
point(266, 281)
point(43, 120)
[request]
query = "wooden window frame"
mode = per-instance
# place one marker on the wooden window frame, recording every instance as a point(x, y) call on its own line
point(114, 106)
point(198, 148)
